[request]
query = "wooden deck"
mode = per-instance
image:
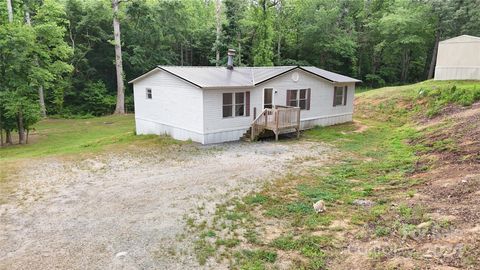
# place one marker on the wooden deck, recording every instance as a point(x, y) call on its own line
point(280, 119)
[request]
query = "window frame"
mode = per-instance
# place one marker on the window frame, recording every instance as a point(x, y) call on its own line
point(234, 104)
point(231, 105)
point(295, 96)
point(340, 99)
point(243, 104)
point(148, 93)
point(302, 99)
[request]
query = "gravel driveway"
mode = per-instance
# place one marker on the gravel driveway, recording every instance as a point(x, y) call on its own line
point(126, 210)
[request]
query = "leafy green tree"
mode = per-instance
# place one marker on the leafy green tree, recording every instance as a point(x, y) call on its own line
point(262, 16)
point(16, 50)
point(51, 54)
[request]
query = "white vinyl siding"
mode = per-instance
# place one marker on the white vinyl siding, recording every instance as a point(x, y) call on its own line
point(176, 107)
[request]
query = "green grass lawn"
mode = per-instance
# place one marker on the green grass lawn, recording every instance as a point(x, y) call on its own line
point(70, 136)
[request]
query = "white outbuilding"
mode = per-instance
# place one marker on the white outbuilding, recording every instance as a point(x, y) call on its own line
point(219, 104)
point(458, 58)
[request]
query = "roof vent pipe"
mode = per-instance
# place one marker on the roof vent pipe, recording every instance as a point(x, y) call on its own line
point(231, 54)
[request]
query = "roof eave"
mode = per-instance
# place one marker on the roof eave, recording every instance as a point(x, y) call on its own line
point(273, 77)
point(144, 75)
point(180, 77)
point(219, 87)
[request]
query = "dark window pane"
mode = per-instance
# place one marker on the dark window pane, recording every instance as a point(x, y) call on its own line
point(293, 103)
point(293, 95)
point(239, 110)
point(227, 111)
point(303, 104)
point(149, 93)
point(269, 106)
point(227, 98)
point(239, 98)
point(303, 94)
point(338, 100)
point(267, 97)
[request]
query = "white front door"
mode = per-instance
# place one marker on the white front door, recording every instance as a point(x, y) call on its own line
point(268, 98)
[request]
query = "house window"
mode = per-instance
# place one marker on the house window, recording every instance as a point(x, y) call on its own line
point(236, 104)
point(149, 93)
point(299, 98)
point(292, 98)
point(240, 104)
point(340, 95)
point(227, 104)
point(302, 99)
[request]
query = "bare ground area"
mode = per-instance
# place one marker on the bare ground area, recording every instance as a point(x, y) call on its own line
point(126, 210)
point(450, 194)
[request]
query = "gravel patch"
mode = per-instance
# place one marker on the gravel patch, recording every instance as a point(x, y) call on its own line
point(126, 210)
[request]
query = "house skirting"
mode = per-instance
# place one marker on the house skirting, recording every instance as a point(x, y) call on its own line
point(144, 126)
point(457, 73)
point(308, 123)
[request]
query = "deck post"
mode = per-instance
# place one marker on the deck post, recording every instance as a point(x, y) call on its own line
point(266, 118)
point(298, 123)
point(276, 135)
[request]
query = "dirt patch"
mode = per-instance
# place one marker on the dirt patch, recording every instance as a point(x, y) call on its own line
point(449, 173)
point(126, 210)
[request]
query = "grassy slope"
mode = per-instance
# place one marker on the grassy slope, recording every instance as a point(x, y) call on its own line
point(376, 165)
point(71, 136)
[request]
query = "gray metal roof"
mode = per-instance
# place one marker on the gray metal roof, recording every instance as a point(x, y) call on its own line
point(328, 75)
point(216, 77)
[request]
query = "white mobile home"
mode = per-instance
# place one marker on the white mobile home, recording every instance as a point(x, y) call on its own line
point(219, 104)
point(458, 58)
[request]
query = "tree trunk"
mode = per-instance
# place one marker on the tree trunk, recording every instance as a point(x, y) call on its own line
point(8, 137)
point(41, 98)
point(120, 108)
point(433, 62)
point(181, 54)
point(27, 17)
point(21, 129)
point(239, 54)
point(10, 11)
point(28, 133)
point(279, 47)
point(1, 130)
point(41, 95)
point(405, 64)
point(218, 13)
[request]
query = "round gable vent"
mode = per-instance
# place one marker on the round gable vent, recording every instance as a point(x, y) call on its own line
point(295, 76)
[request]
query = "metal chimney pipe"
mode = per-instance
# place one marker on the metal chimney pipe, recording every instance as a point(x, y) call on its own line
point(231, 54)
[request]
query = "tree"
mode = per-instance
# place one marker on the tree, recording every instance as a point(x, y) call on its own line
point(218, 26)
point(120, 108)
point(10, 11)
point(404, 35)
point(16, 51)
point(51, 52)
point(262, 15)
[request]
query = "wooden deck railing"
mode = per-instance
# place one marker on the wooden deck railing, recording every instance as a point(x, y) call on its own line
point(278, 119)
